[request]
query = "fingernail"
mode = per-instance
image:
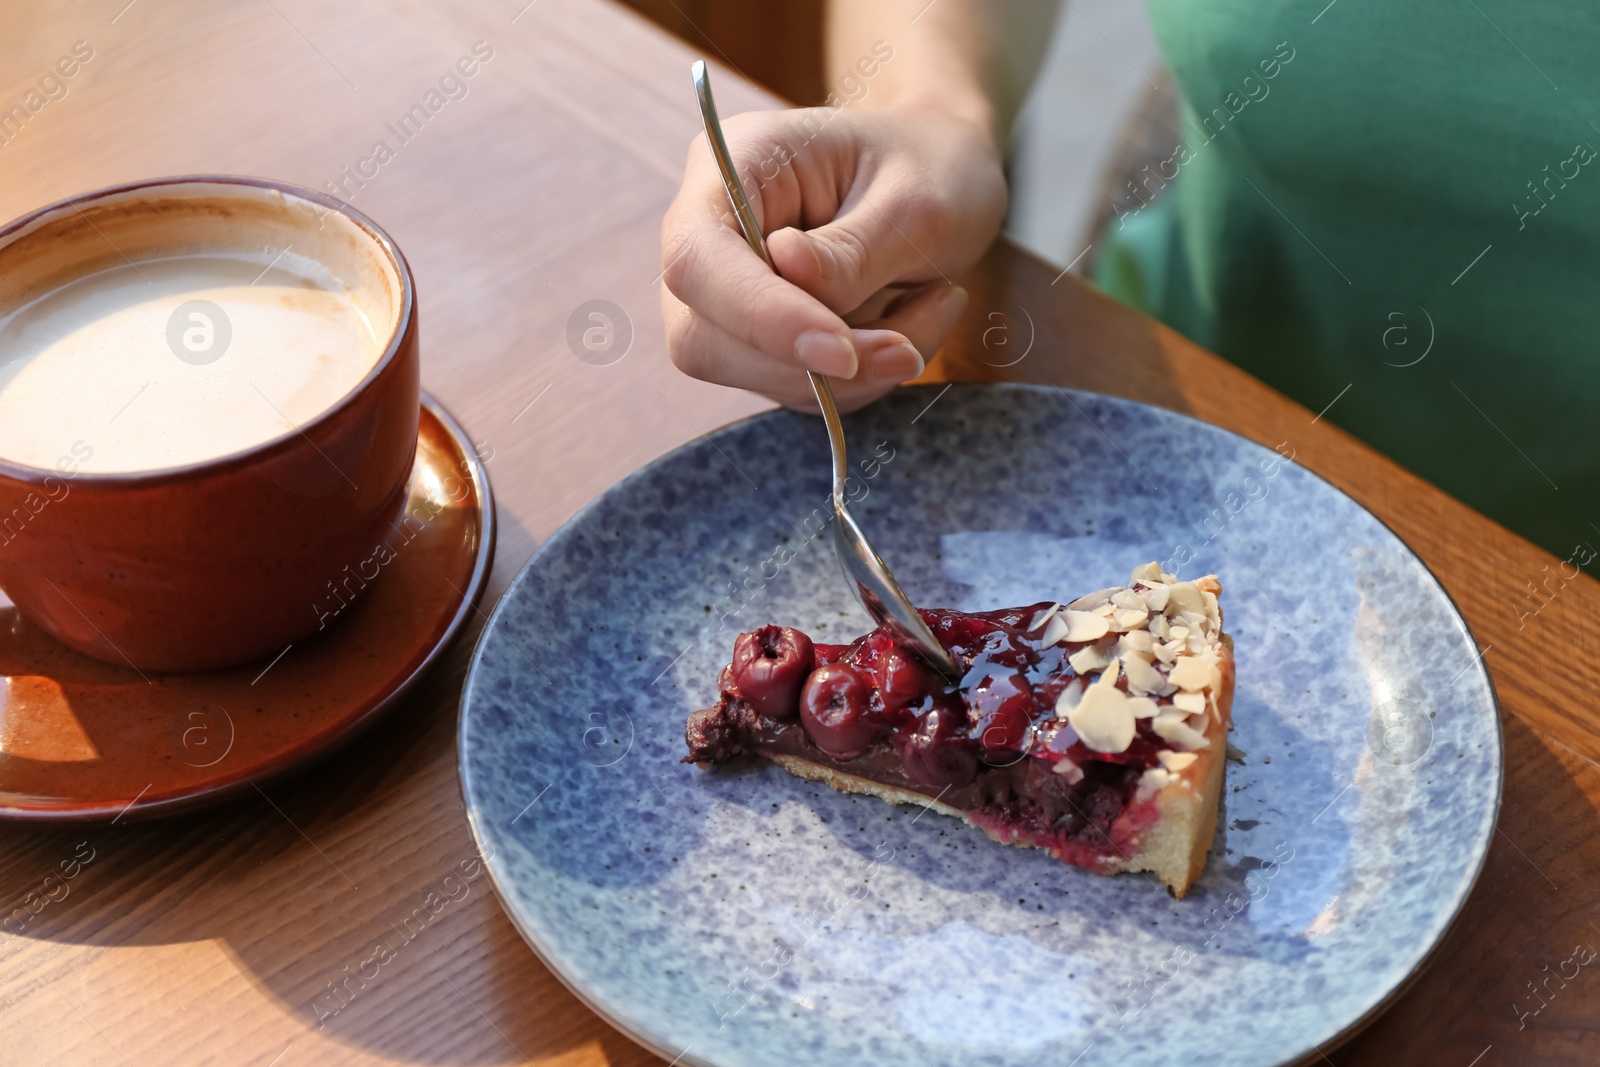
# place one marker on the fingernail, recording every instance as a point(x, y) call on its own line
point(896, 362)
point(826, 353)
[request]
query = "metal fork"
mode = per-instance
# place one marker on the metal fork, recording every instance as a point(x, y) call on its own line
point(870, 580)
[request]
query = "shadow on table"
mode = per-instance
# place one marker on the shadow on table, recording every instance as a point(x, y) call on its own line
point(299, 887)
point(1534, 901)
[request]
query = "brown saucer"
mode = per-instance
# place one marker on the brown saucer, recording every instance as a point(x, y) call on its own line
point(84, 741)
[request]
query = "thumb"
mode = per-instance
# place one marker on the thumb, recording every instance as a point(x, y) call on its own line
point(844, 262)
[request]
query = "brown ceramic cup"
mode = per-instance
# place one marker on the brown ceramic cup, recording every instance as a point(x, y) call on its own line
point(237, 557)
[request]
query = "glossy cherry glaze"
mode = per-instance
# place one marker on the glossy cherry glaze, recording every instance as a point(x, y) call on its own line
point(1004, 708)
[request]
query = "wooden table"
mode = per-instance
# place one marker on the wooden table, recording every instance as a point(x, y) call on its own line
point(204, 939)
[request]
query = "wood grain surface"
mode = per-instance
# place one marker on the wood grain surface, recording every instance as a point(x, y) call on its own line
point(205, 939)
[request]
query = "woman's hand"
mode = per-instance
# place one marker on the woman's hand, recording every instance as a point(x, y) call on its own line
point(867, 214)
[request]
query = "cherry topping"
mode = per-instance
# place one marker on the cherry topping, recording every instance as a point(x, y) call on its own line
point(834, 706)
point(936, 755)
point(903, 680)
point(958, 630)
point(1002, 711)
point(769, 666)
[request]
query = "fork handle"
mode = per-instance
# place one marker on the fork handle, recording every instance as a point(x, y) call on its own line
point(752, 235)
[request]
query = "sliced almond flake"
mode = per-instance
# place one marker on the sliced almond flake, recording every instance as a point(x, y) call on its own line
point(1089, 600)
point(1192, 673)
point(1152, 782)
point(1144, 707)
point(1069, 770)
point(1137, 641)
point(1129, 618)
point(1054, 631)
point(1214, 683)
point(1127, 598)
point(1155, 597)
point(1216, 712)
point(1044, 616)
point(1213, 609)
point(1193, 703)
point(1158, 627)
point(1103, 720)
point(1176, 761)
point(1170, 579)
point(1166, 654)
point(1235, 754)
point(1177, 632)
point(1173, 727)
point(1086, 626)
point(1185, 597)
point(1088, 659)
point(1146, 572)
point(1106, 610)
point(1142, 676)
point(1069, 698)
point(1124, 651)
point(1209, 584)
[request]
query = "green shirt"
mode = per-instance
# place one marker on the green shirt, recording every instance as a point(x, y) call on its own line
point(1391, 209)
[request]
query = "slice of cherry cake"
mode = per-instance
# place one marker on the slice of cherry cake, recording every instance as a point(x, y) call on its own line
point(1096, 729)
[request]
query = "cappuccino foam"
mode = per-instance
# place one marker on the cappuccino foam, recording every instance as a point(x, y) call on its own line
point(166, 362)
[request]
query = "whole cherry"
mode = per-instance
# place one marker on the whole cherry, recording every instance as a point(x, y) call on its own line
point(936, 755)
point(903, 680)
point(769, 667)
point(834, 706)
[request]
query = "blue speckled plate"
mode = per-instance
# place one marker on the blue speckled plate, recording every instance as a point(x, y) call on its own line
point(749, 917)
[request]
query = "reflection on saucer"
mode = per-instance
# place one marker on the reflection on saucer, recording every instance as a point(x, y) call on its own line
point(37, 722)
point(85, 740)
